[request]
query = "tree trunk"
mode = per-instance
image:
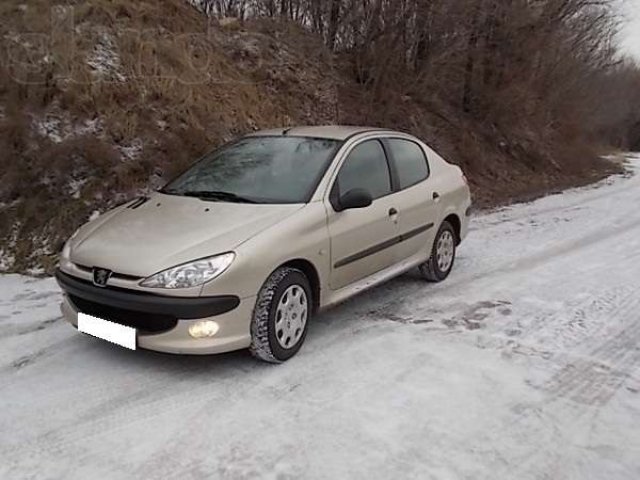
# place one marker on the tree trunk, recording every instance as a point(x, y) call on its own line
point(334, 18)
point(472, 43)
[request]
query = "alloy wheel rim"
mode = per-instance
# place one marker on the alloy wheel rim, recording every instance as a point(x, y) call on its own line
point(445, 250)
point(291, 316)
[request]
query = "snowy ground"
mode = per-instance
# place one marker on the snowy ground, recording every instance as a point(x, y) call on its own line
point(525, 364)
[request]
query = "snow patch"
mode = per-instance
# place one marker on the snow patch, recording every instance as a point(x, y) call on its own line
point(87, 127)
point(36, 271)
point(131, 151)
point(50, 127)
point(57, 127)
point(6, 261)
point(75, 186)
point(104, 60)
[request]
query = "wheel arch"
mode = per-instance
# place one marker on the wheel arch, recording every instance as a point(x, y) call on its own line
point(311, 272)
point(455, 222)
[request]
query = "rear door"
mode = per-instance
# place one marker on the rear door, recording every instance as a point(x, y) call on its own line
point(363, 240)
point(416, 200)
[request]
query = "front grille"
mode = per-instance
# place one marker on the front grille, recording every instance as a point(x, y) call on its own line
point(144, 322)
point(121, 276)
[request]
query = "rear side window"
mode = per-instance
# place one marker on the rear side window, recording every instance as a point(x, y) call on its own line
point(366, 167)
point(410, 160)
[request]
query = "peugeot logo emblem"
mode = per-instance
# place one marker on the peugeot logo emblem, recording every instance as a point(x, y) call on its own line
point(101, 277)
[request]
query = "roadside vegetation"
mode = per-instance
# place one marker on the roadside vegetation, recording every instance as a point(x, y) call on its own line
point(103, 100)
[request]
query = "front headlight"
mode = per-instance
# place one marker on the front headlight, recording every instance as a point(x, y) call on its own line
point(190, 274)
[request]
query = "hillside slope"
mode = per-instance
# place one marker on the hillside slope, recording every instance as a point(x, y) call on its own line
point(101, 100)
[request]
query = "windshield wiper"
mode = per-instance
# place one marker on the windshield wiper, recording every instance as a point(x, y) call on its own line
point(218, 195)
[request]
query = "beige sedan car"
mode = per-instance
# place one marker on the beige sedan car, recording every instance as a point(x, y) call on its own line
point(242, 249)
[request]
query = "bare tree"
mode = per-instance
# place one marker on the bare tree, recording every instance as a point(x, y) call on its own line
point(546, 62)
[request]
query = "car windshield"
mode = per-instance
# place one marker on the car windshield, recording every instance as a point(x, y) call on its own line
point(258, 170)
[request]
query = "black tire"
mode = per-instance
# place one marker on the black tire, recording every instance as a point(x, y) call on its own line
point(264, 343)
point(430, 270)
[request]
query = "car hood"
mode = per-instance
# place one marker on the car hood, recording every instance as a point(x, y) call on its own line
point(168, 230)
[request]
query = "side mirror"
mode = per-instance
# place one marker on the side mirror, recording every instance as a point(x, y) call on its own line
point(356, 198)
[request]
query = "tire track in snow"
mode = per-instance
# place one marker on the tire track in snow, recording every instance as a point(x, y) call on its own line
point(572, 253)
point(581, 387)
point(542, 257)
point(595, 379)
point(132, 411)
point(597, 193)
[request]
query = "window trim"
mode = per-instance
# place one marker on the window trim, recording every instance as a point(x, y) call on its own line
point(394, 163)
point(334, 192)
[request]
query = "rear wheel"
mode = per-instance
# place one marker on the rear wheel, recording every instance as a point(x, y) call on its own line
point(281, 315)
point(443, 255)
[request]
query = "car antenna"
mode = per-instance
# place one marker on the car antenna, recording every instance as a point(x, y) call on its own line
point(287, 130)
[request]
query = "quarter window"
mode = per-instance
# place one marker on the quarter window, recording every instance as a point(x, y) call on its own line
point(410, 161)
point(366, 167)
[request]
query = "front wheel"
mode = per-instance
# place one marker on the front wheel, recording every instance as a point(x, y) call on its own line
point(443, 255)
point(281, 315)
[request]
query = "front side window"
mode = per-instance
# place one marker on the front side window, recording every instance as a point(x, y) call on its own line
point(410, 161)
point(366, 168)
point(259, 170)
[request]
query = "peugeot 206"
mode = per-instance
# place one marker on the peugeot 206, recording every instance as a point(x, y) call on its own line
point(246, 246)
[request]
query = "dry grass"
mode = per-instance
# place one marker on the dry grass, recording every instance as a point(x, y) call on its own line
point(76, 138)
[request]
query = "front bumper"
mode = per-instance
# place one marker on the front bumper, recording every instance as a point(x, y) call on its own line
point(162, 322)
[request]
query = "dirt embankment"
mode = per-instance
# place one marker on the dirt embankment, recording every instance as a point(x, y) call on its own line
point(101, 100)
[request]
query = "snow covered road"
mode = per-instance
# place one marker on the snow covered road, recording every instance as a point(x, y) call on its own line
point(525, 364)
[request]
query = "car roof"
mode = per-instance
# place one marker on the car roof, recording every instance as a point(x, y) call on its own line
point(334, 132)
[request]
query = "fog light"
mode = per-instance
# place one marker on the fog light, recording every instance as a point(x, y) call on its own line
point(204, 329)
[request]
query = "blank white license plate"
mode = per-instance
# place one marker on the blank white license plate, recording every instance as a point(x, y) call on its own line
point(109, 331)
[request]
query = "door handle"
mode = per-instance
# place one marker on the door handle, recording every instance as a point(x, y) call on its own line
point(436, 195)
point(392, 212)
